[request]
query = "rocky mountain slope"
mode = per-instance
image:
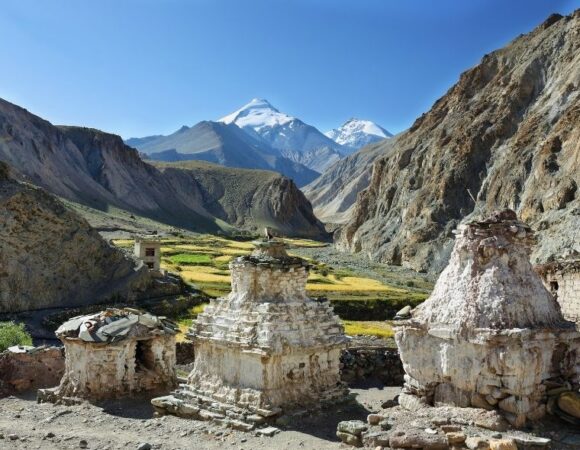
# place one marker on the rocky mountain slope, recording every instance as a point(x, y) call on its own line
point(247, 199)
point(51, 257)
point(333, 194)
point(295, 139)
point(97, 169)
point(357, 133)
point(224, 144)
point(507, 135)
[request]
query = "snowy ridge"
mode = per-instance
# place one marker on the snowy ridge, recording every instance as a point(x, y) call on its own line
point(356, 133)
point(290, 136)
point(257, 114)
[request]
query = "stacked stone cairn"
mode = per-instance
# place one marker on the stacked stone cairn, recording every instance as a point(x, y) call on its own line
point(264, 350)
point(490, 335)
point(112, 354)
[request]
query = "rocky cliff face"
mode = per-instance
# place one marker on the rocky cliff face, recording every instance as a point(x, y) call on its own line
point(51, 257)
point(507, 135)
point(333, 194)
point(97, 169)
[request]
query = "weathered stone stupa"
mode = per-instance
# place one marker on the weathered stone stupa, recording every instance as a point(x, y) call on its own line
point(264, 349)
point(490, 335)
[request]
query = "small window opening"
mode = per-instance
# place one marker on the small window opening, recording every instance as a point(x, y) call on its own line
point(150, 265)
point(144, 358)
point(553, 286)
point(149, 252)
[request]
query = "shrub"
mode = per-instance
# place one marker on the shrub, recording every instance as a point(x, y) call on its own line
point(13, 334)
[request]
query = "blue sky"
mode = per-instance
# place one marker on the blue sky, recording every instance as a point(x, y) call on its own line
point(140, 67)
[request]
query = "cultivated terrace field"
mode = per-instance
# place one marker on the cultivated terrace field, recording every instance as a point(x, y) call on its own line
point(365, 303)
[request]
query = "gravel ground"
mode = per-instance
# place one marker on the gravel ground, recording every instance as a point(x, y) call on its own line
point(126, 424)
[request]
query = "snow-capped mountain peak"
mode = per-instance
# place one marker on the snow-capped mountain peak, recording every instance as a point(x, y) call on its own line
point(286, 134)
point(257, 114)
point(356, 133)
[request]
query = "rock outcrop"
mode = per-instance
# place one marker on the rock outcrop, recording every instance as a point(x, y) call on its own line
point(98, 170)
point(506, 135)
point(51, 257)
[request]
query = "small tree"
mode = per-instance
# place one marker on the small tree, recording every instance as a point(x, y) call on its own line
point(13, 334)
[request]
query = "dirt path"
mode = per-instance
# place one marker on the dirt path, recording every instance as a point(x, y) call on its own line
point(129, 423)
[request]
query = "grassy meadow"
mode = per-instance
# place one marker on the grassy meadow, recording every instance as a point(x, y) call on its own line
point(203, 261)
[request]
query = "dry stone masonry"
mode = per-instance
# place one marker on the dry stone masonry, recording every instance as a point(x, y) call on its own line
point(562, 279)
point(491, 335)
point(264, 349)
point(114, 353)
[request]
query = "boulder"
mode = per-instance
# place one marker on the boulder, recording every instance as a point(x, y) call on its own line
point(502, 444)
point(349, 439)
point(476, 443)
point(355, 427)
point(569, 402)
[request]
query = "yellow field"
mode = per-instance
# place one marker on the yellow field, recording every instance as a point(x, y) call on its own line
point(339, 285)
point(350, 284)
point(198, 276)
point(381, 329)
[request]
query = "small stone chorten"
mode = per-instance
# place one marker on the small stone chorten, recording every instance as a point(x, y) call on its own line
point(114, 353)
point(263, 349)
point(490, 335)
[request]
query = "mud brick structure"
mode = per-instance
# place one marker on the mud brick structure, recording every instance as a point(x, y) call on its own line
point(562, 279)
point(114, 353)
point(23, 368)
point(263, 349)
point(490, 335)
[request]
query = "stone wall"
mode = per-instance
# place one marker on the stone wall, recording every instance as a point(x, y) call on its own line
point(38, 368)
point(562, 279)
point(372, 363)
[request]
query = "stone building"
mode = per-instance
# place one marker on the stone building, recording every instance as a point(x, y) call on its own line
point(562, 279)
point(114, 353)
point(264, 349)
point(148, 250)
point(490, 335)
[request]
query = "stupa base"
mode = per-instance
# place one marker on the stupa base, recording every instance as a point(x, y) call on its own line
point(188, 403)
point(511, 371)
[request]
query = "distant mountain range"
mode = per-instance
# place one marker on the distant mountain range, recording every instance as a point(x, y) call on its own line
point(96, 169)
point(259, 136)
point(223, 144)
